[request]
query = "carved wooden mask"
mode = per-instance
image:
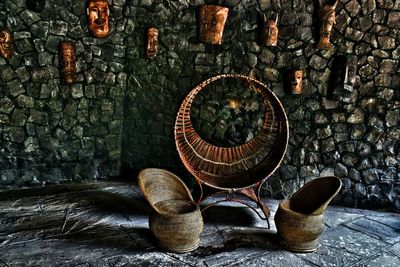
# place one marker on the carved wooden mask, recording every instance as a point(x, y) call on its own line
point(343, 78)
point(36, 5)
point(327, 19)
point(98, 12)
point(7, 47)
point(270, 31)
point(68, 62)
point(296, 81)
point(152, 42)
point(212, 20)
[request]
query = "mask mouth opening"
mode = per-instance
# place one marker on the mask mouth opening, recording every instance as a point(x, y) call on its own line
point(100, 21)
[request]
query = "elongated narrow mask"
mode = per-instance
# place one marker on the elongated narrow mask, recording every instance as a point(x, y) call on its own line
point(98, 12)
point(296, 82)
point(271, 31)
point(327, 17)
point(7, 47)
point(212, 19)
point(152, 42)
point(68, 62)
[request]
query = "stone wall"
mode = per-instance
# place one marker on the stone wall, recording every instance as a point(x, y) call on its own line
point(53, 133)
point(358, 142)
point(50, 132)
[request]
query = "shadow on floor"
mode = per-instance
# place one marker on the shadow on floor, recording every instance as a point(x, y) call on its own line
point(228, 215)
point(103, 219)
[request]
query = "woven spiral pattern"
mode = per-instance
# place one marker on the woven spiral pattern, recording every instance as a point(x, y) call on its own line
point(233, 167)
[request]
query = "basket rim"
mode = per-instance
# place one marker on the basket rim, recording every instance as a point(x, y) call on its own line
point(186, 214)
point(151, 171)
point(283, 124)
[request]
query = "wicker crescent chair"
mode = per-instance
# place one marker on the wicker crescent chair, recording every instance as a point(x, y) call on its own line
point(237, 167)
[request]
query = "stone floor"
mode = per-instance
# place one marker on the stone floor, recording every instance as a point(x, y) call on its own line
point(106, 225)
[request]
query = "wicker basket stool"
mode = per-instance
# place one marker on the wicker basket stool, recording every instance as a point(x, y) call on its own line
point(299, 220)
point(176, 220)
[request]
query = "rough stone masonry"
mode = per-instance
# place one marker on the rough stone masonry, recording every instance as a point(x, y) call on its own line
point(52, 133)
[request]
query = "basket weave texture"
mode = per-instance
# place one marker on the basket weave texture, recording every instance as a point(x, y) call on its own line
point(299, 220)
point(176, 220)
point(236, 167)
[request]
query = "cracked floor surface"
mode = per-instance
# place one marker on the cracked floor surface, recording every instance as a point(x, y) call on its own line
point(107, 225)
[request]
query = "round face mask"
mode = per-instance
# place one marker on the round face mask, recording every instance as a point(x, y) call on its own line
point(68, 62)
point(7, 48)
point(98, 18)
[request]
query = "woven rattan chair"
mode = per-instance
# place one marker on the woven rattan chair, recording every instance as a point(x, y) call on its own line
point(234, 168)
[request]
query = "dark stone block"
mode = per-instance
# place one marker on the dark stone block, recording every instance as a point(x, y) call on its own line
point(14, 134)
point(29, 17)
point(38, 117)
point(368, 6)
point(288, 172)
point(341, 170)
point(25, 101)
point(15, 88)
point(18, 118)
point(6, 73)
point(40, 74)
point(76, 32)
point(22, 74)
point(385, 3)
point(353, 34)
point(353, 7)
point(387, 42)
point(392, 118)
point(342, 20)
point(57, 27)
point(363, 49)
point(52, 43)
point(350, 160)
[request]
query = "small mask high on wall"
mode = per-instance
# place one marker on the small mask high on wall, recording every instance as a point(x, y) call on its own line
point(98, 12)
point(36, 5)
point(296, 81)
point(7, 47)
point(68, 62)
point(327, 19)
point(152, 42)
point(270, 31)
point(212, 19)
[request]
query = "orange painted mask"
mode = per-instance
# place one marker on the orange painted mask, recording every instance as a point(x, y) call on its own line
point(296, 82)
point(68, 62)
point(271, 31)
point(98, 12)
point(7, 47)
point(327, 18)
point(152, 42)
